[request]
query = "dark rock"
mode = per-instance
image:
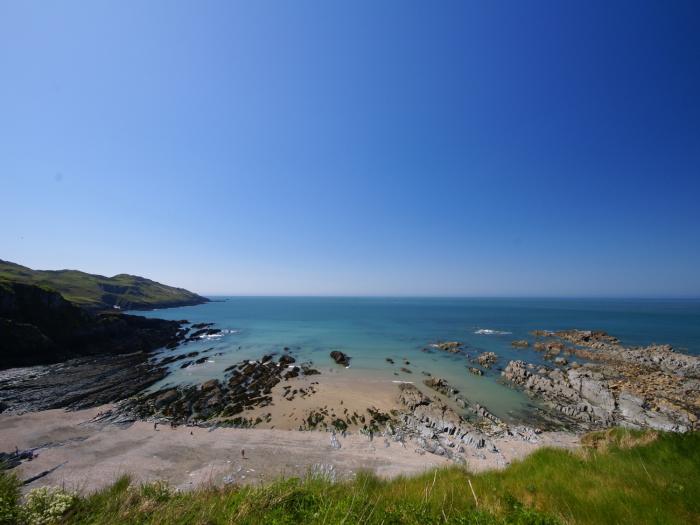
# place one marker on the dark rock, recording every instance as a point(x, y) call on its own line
point(166, 398)
point(78, 383)
point(38, 326)
point(10, 460)
point(340, 358)
point(440, 385)
point(449, 346)
point(286, 360)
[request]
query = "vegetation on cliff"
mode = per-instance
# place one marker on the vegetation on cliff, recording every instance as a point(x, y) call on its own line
point(96, 292)
point(619, 477)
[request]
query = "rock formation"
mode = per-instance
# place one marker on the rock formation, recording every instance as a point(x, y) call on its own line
point(651, 386)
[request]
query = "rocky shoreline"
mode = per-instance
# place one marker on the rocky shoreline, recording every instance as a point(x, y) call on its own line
point(643, 387)
point(649, 387)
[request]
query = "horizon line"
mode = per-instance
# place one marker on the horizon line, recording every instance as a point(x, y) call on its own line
point(409, 296)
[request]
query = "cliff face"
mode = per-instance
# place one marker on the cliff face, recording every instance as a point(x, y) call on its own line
point(39, 326)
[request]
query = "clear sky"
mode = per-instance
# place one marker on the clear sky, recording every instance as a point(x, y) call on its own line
point(364, 147)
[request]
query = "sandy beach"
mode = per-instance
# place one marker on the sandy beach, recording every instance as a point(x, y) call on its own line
point(85, 455)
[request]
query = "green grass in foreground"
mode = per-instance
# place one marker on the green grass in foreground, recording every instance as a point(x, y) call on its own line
point(622, 477)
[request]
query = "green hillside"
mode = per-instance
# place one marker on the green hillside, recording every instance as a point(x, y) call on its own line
point(98, 292)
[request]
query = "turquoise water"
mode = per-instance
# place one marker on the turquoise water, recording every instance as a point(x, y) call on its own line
point(372, 329)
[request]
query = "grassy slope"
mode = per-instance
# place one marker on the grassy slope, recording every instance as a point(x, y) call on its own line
point(96, 291)
point(634, 480)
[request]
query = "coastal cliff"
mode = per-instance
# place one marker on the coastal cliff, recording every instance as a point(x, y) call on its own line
point(96, 292)
point(39, 326)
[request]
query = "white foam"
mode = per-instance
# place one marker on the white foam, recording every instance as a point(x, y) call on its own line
point(488, 331)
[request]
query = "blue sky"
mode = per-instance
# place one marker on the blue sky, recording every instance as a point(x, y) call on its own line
point(541, 148)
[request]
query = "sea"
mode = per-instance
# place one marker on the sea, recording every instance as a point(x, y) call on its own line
point(370, 330)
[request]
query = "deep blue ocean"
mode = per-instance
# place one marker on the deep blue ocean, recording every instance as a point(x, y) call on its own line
point(372, 329)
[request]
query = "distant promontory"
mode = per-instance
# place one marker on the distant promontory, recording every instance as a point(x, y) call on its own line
point(96, 292)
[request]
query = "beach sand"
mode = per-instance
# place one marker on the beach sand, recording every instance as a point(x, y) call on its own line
point(334, 390)
point(88, 455)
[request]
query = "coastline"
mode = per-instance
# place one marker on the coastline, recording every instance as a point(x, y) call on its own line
point(84, 422)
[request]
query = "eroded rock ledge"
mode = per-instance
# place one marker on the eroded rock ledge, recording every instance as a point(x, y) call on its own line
point(653, 386)
point(439, 429)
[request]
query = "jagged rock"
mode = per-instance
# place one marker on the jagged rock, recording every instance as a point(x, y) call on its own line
point(476, 371)
point(651, 387)
point(474, 440)
point(522, 343)
point(248, 384)
point(487, 359)
point(440, 385)
point(586, 337)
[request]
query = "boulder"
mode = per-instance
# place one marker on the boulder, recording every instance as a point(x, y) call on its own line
point(340, 358)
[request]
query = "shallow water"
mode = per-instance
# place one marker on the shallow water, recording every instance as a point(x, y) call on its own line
point(372, 329)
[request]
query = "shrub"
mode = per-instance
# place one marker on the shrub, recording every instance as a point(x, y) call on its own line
point(9, 499)
point(46, 505)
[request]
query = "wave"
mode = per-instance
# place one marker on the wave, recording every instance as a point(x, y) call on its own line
point(211, 336)
point(488, 331)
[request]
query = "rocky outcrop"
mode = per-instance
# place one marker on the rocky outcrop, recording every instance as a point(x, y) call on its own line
point(77, 383)
point(246, 385)
point(453, 347)
point(585, 337)
point(652, 387)
point(440, 385)
point(522, 343)
point(487, 359)
point(439, 429)
point(38, 326)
